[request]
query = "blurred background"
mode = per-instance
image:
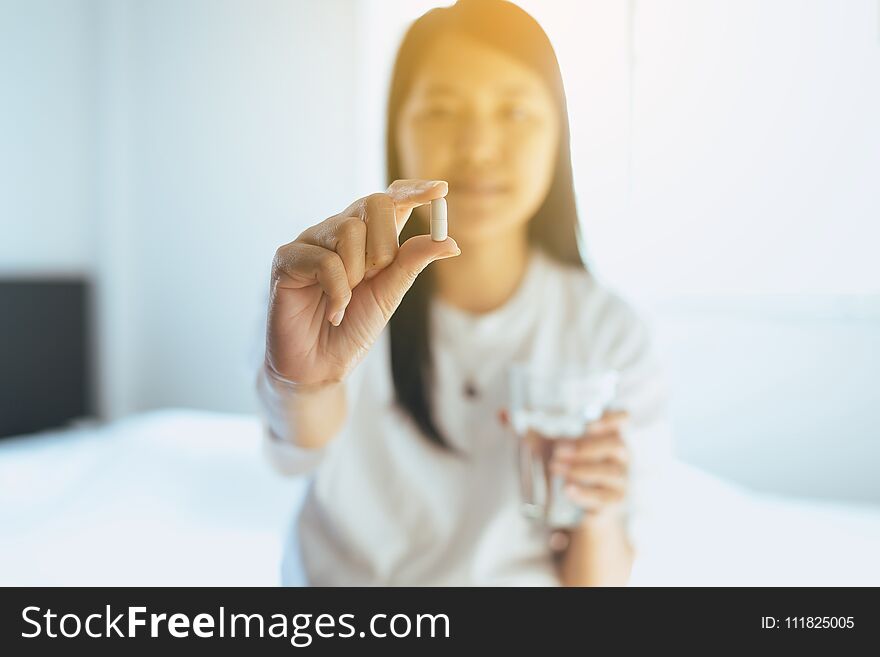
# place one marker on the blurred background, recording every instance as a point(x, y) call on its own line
point(153, 155)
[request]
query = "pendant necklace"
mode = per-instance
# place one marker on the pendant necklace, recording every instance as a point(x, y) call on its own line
point(469, 386)
point(470, 389)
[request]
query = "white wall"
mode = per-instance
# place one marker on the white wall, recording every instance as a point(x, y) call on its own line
point(47, 130)
point(236, 119)
point(756, 149)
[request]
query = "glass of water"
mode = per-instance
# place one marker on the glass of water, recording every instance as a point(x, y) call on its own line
point(546, 407)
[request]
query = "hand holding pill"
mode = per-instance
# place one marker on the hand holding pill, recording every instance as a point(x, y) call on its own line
point(335, 286)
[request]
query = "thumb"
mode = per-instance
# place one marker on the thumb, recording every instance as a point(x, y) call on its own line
point(413, 256)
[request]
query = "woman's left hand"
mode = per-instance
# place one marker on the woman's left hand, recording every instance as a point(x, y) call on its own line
point(596, 468)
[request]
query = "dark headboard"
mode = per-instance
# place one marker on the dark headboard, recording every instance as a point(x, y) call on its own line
point(45, 354)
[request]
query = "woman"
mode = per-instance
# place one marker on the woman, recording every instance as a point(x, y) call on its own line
point(384, 377)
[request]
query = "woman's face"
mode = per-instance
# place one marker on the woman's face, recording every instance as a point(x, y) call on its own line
point(488, 125)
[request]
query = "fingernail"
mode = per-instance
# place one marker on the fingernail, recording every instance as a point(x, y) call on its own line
point(336, 320)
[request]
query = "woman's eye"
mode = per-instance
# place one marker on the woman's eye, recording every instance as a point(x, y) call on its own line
point(438, 112)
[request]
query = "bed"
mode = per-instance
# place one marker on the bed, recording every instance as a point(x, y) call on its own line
point(180, 497)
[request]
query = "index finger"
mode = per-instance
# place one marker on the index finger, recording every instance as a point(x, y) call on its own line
point(411, 193)
point(596, 449)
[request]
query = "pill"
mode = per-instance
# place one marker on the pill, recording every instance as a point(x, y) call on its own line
point(439, 226)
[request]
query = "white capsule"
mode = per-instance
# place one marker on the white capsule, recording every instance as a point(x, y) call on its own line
point(439, 225)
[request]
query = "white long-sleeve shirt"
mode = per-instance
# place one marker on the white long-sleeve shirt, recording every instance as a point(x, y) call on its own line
point(387, 507)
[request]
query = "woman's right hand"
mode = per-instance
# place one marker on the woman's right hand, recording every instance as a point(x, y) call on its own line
point(335, 286)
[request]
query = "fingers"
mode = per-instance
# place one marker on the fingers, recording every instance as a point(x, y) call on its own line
point(602, 474)
point(412, 193)
point(382, 233)
point(298, 265)
point(603, 441)
point(365, 235)
point(351, 241)
point(593, 498)
point(414, 255)
point(595, 466)
point(599, 448)
point(385, 215)
point(346, 236)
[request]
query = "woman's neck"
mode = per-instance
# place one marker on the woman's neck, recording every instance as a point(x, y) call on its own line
point(485, 275)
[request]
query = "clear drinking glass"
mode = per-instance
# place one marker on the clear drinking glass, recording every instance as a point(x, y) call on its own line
point(545, 408)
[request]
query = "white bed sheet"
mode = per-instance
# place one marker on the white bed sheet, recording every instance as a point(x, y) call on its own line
point(185, 498)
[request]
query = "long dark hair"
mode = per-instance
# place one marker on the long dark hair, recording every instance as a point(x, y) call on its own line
point(554, 228)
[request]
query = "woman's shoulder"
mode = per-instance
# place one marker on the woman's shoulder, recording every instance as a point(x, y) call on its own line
point(598, 319)
point(588, 299)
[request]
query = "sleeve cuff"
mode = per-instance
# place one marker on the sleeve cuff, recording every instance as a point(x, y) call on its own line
point(276, 396)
